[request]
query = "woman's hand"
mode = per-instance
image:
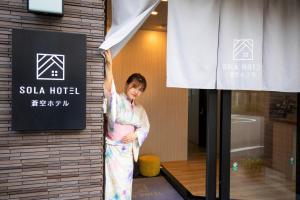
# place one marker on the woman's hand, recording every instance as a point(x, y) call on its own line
point(108, 59)
point(130, 137)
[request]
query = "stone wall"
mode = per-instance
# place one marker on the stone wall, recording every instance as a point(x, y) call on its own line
point(61, 164)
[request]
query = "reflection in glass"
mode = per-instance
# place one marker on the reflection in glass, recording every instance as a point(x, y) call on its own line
point(263, 135)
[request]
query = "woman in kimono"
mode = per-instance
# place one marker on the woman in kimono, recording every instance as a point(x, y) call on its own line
point(128, 127)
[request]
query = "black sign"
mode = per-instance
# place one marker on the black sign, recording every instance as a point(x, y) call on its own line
point(48, 80)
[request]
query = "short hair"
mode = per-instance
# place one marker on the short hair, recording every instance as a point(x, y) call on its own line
point(136, 77)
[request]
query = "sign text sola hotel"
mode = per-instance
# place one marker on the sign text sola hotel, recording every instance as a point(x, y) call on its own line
point(49, 80)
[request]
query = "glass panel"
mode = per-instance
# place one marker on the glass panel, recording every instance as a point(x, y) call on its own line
point(263, 145)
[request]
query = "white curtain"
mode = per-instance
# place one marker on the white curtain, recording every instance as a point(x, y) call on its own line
point(240, 45)
point(127, 17)
point(258, 44)
point(281, 53)
point(192, 43)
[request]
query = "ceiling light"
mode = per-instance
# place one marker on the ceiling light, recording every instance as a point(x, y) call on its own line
point(154, 13)
point(164, 0)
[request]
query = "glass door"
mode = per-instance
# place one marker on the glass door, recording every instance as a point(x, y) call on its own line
point(263, 145)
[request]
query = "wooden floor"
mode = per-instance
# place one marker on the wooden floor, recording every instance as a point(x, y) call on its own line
point(191, 174)
point(265, 184)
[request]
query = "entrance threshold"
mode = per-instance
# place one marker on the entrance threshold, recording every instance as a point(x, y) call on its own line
point(178, 186)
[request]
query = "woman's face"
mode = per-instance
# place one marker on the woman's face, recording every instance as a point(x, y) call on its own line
point(133, 90)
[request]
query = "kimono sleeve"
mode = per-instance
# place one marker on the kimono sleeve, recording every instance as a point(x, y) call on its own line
point(143, 130)
point(112, 98)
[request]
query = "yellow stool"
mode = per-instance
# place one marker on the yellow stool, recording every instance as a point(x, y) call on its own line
point(149, 165)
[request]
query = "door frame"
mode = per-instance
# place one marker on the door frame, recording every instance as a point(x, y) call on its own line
point(225, 140)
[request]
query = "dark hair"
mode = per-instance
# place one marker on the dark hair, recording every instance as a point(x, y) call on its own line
point(136, 77)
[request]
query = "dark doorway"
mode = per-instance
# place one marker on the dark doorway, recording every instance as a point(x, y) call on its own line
point(202, 117)
point(197, 118)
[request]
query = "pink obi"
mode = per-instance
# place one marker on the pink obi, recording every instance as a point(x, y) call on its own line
point(120, 130)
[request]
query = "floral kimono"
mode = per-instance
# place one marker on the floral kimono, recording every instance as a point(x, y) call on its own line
point(123, 117)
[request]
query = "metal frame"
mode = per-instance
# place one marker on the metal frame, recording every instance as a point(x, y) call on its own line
point(225, 137)
point(211, 149)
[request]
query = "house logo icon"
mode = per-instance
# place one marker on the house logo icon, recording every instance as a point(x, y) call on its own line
point(242, 49)
point(50, 66)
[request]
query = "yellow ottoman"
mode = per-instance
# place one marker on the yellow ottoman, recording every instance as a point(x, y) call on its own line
point(149, 165)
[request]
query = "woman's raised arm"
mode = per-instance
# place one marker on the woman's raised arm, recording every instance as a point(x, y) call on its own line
point(108, 81)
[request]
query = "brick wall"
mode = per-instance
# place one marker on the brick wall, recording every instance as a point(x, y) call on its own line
point(53, 165)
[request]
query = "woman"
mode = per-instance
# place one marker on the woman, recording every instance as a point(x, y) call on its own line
point(128, 127)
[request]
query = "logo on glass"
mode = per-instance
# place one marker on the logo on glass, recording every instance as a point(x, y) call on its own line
point(50, 66)
point(242, 49)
